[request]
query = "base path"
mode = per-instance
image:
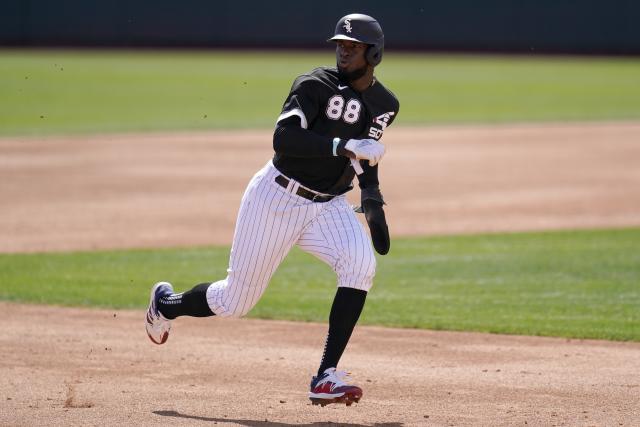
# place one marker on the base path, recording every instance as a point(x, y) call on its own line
point(62, 367)
point(153, 190)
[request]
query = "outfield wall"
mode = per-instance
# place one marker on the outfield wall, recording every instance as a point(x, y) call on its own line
point(574, 26)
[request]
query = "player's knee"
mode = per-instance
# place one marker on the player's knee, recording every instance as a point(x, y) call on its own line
point(230, 298)
point(359, 272)
point(233, 311)
point(366, 277)
point(239, 310)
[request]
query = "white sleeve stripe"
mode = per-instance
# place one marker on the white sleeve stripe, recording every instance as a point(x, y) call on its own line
point(295, 112)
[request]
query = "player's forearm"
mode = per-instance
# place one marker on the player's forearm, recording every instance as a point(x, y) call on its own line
point(295, 141)
point(369, 178)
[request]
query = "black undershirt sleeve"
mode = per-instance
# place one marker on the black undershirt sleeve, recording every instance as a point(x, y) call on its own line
point(292, 140)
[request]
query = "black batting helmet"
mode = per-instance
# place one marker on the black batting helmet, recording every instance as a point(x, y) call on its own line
point(364, 29)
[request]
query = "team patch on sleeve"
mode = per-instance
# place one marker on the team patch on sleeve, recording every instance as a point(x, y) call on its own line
point(380, 124)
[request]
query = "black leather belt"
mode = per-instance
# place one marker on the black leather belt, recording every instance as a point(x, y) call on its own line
point(303, 192)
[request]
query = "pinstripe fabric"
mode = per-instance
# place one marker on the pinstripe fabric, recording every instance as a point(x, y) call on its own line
point(270, 221)
point(337, 238)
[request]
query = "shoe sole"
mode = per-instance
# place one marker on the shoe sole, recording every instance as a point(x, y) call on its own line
point(347, 398)
point(165, 336)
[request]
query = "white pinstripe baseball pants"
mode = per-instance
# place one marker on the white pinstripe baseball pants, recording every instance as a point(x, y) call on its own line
point(270, 221)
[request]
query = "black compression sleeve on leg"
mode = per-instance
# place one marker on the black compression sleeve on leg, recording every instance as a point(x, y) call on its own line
point(345, 312)
point(191, 303)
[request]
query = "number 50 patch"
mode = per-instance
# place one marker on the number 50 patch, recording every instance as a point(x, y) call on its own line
point(383, 121)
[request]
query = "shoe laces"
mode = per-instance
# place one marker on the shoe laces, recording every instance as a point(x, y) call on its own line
point(166, 292)
point(337, 378)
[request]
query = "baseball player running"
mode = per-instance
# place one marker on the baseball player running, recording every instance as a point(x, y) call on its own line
point(327, 132)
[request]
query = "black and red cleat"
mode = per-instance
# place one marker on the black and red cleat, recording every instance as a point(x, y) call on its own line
point(331, 387)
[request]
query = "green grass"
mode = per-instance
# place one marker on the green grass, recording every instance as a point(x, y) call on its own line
point(582, 284)
point(54, 92)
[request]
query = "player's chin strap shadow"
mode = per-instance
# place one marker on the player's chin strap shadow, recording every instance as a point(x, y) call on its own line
point(266, 423)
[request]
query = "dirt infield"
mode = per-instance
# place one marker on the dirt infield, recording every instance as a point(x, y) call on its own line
point(185, 189)
point(97, 367)
point(61, 366)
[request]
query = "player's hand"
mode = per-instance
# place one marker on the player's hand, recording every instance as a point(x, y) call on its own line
point(366, 149)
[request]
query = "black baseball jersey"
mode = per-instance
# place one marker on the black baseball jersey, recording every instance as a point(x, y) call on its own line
point(319, 108)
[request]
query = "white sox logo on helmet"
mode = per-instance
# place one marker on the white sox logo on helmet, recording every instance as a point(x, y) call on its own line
point(347, 25)
point(382, 120)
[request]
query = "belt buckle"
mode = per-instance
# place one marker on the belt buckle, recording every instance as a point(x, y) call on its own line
point(321, 198)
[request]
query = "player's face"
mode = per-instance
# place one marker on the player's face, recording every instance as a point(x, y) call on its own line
point(350, 57)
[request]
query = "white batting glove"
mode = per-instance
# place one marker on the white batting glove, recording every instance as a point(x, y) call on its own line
point(366, 149)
